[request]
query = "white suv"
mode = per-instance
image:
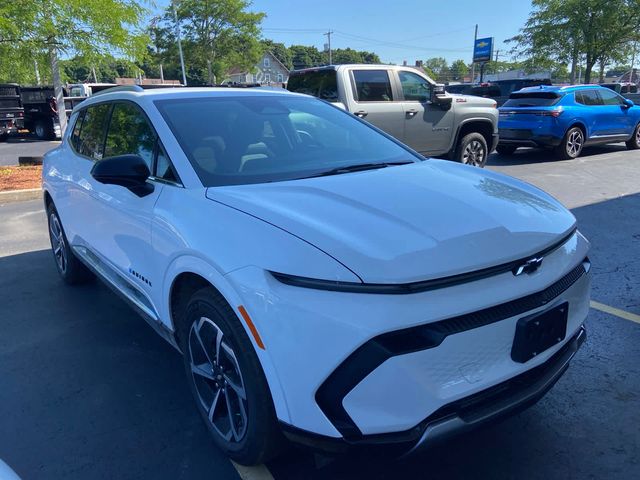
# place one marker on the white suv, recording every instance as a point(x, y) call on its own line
point(321, 279)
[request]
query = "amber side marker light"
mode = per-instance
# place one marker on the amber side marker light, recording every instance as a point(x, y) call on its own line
point(252, 327)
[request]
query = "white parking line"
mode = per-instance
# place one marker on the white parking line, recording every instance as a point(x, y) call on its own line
point(259, 472)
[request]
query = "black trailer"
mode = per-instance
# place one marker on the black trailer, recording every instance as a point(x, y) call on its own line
point(11, 111)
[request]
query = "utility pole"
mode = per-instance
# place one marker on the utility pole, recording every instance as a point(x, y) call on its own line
point(175, 18)
point(495, 64)
point(328, 34)
point(473, 63)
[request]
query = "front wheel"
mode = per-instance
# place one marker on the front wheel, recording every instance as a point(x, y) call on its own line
point(72, 270)
point(472, 150)
point(571, 145)
point(227, 381)
point(634, 142)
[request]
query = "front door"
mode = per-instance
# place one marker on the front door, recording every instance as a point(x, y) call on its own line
point(427, 127)
point(615, 114)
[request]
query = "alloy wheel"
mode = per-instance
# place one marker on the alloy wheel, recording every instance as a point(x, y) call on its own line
point(638, 135)
point(473, 154)
point(574, 143)
point(218, 380)
point(57, 242)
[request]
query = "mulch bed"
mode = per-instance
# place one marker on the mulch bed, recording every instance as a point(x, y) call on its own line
point(20, 178)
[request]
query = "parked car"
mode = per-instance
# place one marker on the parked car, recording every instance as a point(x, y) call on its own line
point(40, 111)
point(567, 118)
point(11, 110)
point(498, 90)
point(321, 279)
point(405, 103)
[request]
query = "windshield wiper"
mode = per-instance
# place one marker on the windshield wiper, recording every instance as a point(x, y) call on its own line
point(360, 167)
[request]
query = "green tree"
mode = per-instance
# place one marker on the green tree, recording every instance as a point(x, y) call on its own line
point(570, 30)
point(83, 27)
point(218, 36)
point(303, 56)
point(437, 68)
point(459, 69)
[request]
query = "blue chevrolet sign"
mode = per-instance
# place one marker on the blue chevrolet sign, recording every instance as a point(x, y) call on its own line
point(483, 50)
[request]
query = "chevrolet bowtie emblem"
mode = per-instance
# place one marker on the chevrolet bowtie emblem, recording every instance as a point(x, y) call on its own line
point(528, 267)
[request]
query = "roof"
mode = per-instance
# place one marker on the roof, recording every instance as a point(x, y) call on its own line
point(135, 91)
point(559, 88)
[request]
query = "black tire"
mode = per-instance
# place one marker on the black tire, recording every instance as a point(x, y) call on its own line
point(571, 145)
point(258, 436)
point(506, 149)
point(72, 270)
point(634, 142)
point(472, 150)
point(43, 131)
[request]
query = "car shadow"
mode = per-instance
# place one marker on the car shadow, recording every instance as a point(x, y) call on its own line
point(541, 155)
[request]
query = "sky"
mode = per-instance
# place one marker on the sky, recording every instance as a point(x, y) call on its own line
point(396, 30)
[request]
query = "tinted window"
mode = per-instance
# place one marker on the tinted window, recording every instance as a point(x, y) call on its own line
point(130, 133)
point(92, 131)
point(532, 99)
point(164, 168)
point(588, 97)
point(320, 83)
point(267, 138)
point(414, 87)
point(75, 135)
point(372, 85)
point(610, 98)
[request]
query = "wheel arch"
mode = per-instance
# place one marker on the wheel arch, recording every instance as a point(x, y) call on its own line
point(581, 125)
point(185, 276)
point(483, 126)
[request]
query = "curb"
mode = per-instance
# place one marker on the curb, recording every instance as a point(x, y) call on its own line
point(29, 161)
point(20, 195)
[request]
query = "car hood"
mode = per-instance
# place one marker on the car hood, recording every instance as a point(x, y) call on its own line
point(411, 222)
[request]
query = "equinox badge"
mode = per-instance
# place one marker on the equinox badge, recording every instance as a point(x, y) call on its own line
point(528, 267)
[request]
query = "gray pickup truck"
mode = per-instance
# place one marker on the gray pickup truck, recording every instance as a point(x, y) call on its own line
point(408, 105)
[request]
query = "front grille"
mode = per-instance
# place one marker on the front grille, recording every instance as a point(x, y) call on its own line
point(515, 133)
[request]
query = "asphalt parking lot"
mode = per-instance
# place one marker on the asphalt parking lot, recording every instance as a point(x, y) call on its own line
point(23, 145)
point(89, 391)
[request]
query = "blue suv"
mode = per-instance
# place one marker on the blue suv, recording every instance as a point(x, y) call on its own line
point(566, 119)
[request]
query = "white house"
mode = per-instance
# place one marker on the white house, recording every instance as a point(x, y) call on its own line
point(269, 71)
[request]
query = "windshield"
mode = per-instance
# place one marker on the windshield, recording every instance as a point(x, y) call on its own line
point(269, 138)
point(532, 99)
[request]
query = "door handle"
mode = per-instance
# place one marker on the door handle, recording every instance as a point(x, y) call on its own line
point(361, 114)
point(411, 113)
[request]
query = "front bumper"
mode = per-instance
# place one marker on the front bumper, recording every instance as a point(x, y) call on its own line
point(493, 404)
point(312, 337)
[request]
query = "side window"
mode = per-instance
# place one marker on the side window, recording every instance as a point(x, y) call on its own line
point(94, 124)
point(610, 98)
point(372, 86)
point(75, 134)
point(588, 97)
point(414, 87)
point(164, 168)
point(130, 133)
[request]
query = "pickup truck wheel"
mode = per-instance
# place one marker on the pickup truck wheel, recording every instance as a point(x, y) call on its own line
point(634, 141)
point(472, 150)
point(226, 380)
point(571, 145)
point(506, 149)
point(72, 270)
point(43, 132)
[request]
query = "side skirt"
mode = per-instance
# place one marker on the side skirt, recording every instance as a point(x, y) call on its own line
point(125, 290)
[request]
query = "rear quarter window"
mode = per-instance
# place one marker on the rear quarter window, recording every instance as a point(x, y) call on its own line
point(321, 83)
point(532, 99)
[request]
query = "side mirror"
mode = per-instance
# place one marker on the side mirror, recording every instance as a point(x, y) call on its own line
point(129, 171)
point(440, 97)
point(628, 103)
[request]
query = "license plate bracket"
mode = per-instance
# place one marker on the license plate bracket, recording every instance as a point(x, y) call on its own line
point(538, 332)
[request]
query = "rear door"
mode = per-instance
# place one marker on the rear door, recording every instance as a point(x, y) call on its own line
point(592, 112)
point(377, 102)
point(427, 127)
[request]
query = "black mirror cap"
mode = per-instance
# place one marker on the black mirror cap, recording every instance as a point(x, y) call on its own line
point(129, 171)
